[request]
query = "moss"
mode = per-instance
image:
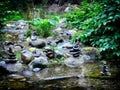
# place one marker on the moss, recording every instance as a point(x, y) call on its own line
point(99, 76)
point(91, 50)
point(16, 85)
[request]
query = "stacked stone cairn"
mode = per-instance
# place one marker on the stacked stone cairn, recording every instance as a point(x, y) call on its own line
point(105, 71)
point(76, 50)
point(50, 53)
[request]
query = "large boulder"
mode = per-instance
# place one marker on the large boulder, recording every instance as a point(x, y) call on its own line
point(91, 52)
point(17, 67)
point(10, 67)
point(38, 43)
point(74, 62)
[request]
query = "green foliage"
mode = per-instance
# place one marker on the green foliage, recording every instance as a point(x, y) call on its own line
point(106, 33)
point(100, 26)
point(28, 32)
point(44, 26)
point(79, 15)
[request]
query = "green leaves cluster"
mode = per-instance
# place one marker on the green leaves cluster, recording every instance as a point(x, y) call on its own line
point(99, 23)
point(76, 17)
point(106, 30)
point(43, 26)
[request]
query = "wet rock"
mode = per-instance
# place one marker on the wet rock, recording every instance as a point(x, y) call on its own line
point(27, 56)
point(74, 62)
point(38, 43)
point(38, 63)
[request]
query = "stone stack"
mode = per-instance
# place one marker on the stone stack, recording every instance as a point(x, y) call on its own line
point(75, 51)
point(11, 58)
point(50, 53)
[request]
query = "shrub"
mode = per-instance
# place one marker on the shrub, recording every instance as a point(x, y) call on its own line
point(43, 26)
point(100, 26)
point(79, 15)
point(105, 32)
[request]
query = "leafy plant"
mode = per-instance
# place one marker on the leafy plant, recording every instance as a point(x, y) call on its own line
point(103, 30)
point(28, 32)
point(100, 26)
point(79, 15)
point(106, 33)
point(44, 26)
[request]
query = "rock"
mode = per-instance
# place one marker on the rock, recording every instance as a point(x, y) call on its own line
point(27, 56)
point(59, 54)
point(70, 33)
point(67, 9)
point(62, 23)
point(10, 67)
point(50, 40)
point(38, 43)
point(32, 49)
point(66, 45)
point(11, 59)
point(3, 69)
point(59, 41)
point(36, 69)
point(92, 52)
point(21, 37)
point(40, 52)
point(74, 62)
point(86, 58)
point(49, 53)
point(28, 73)
point(14, 68)
point(18, 48)
point(38, 62)
point(75, 51)
point(34, 36)
point(16, 77)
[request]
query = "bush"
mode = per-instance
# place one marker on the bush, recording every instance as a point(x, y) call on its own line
point(105, 32)
point(99, 23)
point(43, 26)
point(79, 15)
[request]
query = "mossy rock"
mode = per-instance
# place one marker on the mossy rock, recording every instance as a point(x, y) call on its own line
point(98, 75)
point(90, 50)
